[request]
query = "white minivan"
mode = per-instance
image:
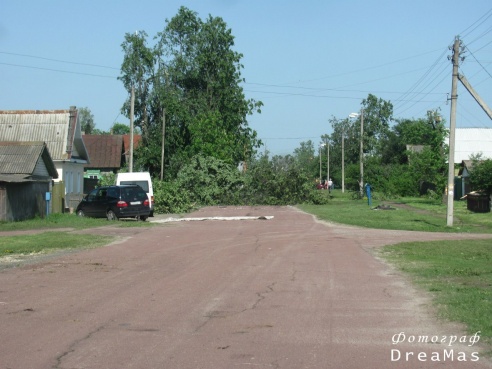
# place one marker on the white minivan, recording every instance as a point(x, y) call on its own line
point(139, 178)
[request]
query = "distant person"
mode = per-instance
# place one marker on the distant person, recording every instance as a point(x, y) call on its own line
point(330, 184)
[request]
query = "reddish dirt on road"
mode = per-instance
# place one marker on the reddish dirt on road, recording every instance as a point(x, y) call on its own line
point(289, 292)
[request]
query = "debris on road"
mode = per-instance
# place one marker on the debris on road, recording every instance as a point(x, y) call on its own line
point(167, 220)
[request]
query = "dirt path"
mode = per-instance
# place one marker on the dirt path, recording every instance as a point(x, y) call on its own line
point(290, 292)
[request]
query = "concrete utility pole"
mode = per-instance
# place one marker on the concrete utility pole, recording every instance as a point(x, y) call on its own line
point(452, 129)
point(163, 140)
point(361, 158)
point(343, 158)
point(132, 104)
point(475, 95)
point(327, 161)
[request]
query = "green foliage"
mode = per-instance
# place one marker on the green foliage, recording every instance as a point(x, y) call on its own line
point(169, 197)
point(377, 113)
point(281, 181)
point(192, 77)
point(120, 129)
point(108, 179)
point(307, 159)
point(211, 181)
point(481, 176)
point(86, 119)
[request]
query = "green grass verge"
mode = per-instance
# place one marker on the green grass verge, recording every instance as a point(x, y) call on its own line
point(67, 221)
point(412, 214)
point(48, 241)
point(457, 273)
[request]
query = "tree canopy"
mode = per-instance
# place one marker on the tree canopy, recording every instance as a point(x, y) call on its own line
point(191, 79)
point(86, 120)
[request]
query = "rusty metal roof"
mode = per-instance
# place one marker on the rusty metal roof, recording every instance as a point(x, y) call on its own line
point(57, 128)
point(105, 151)
point(21, 158)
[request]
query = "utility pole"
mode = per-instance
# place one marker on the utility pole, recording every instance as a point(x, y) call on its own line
point(343, 158)
point(361, 154)
point(327, 161)
point(163, 141)
point(452, 129)
point(132, 104)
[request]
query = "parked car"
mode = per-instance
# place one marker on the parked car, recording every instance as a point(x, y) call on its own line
point(114, 202)
point(139, 178)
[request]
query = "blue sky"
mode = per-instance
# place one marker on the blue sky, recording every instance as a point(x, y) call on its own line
point(307, 61)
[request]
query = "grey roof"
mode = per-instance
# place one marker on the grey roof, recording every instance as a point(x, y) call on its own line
point(19, 159)
point(59, 129)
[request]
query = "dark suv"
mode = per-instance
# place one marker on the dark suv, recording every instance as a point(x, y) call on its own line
point(114, 202)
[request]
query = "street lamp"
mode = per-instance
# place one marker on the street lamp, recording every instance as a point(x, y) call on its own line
point(361, 151)
point(328, 162)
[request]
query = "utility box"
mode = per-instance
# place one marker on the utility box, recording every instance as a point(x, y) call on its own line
point(478, 202)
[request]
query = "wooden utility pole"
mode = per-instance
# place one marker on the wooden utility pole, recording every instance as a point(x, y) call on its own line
point(132, 104)
point(163, 141)
point(452, 129)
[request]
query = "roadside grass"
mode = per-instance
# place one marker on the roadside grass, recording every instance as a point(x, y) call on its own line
point(67, 221)
point(458, 274)
point(412, 214)
point(49, 241)
point(45, 242)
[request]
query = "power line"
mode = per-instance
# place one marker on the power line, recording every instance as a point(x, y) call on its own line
point(478, 23)
point(58, 70)
point(59, 61)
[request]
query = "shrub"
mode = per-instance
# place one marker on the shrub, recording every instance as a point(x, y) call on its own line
point(170, 197)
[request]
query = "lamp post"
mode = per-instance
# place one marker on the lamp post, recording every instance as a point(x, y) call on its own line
point(361, 149)
point(327, 161)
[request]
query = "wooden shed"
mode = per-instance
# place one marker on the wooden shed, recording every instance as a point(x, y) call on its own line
point(26, 174)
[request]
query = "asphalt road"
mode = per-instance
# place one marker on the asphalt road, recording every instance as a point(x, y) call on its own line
point(287, 292)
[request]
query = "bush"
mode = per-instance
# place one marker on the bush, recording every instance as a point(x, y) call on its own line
point(209, 181)
point(169, 197)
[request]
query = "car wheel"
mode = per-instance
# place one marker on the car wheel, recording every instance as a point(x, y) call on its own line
point(80, 213)
point(143, 218)
point(111, 215)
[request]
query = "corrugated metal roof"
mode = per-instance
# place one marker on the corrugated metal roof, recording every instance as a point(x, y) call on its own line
point(19, 157)
point(50, 126)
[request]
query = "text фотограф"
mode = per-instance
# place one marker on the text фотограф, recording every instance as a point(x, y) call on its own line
point(447, 353)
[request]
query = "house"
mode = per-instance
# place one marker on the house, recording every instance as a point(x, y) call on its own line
point(462, 181)
point(26, 174)
point(61, 131)
point(107, 156)
point(106, 153)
